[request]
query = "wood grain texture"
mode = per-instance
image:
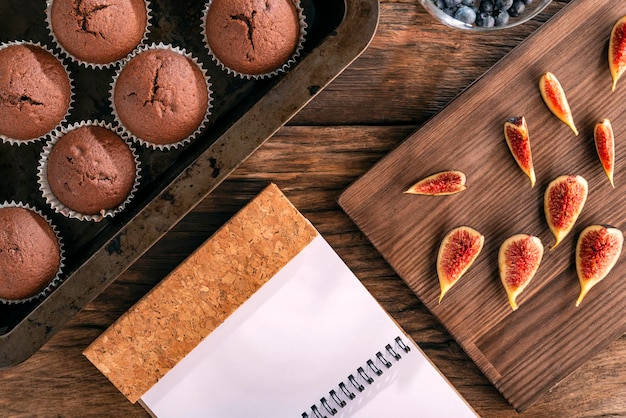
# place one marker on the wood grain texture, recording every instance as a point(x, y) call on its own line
point(524, 353)
point(415, 64)
point(313, 163)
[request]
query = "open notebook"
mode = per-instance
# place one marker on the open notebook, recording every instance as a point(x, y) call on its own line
point(310, 341)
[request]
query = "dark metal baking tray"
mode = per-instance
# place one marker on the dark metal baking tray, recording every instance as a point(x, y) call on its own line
point(245, 114)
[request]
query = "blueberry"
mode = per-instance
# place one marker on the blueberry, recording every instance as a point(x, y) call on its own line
point(503, 4)
point(453, 3)
point(441, 4)
point(527, 2)
point(450, 11)
point(501, 18)
point(485, 20)
point(467, 2)
point(486, 6)
point(517, 8)
point(465, 14)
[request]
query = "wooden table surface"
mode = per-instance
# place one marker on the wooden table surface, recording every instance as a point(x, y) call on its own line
point(412, 69)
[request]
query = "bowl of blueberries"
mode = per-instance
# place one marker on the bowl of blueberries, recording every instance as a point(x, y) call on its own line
point(480, 15)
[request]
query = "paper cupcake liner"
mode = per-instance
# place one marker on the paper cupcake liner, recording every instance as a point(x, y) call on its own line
point(93, 64)
point(126, 133)
point(18, 142)
point(56, 280)
point(52, 200)
point(283, 68)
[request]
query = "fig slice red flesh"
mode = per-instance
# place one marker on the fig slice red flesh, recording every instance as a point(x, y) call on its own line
point(519, 258)
point(440, 184)
point(554, 97)
point(605, 146)
point(458, 251)
point(597, 251)
point(617, 51)
point(564, 199)
point(516, 135)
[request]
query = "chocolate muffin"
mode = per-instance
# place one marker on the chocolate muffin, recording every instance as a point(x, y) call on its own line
point(35, 92)
point(252, 37)
point(30, 255)
point(90, 170)
point(98, 31)
point(161, 96)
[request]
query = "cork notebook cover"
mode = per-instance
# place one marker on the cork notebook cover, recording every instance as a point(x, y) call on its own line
point(266, 320)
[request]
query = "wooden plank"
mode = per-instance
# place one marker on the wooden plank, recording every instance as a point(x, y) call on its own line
point(523, 353)
point(413, 68)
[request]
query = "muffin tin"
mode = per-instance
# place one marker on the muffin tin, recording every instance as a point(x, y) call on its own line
point(245, 114)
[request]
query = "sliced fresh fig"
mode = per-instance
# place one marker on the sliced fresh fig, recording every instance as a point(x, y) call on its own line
point(457, 252)
point(518, 260)
point(597, 251)
point(554, 96)
point(516, 135)
point(605, 145)
point(439, 184)
point(563, 201)
point(617, 51)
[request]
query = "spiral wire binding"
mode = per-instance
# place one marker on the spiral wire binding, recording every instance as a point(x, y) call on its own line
point(350, 389)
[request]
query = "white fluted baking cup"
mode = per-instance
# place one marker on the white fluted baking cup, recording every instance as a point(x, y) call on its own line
point(283, 68)
point(15, 141)
point(127, 133)
point(94, 65)
point(50, 197)
point(56, 280)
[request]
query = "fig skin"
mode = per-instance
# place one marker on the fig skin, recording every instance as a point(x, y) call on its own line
point(554, 97)
point(516, 136)
point(564, 199)
point(440, 184)
point(519, 258)
point(617, 51)
point(597, 251)
point(605, 146)
point(457, 252)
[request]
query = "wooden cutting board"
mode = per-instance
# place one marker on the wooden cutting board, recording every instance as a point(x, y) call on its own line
point(524, 352)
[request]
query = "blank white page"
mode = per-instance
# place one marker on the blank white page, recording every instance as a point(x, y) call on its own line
point(302, 333)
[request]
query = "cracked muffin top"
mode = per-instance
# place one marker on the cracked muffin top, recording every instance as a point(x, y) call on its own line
point(252, 37)
point(35, 92)
point(30, 255)
point(161, 96)
point(91, 169)
point(98, 31)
